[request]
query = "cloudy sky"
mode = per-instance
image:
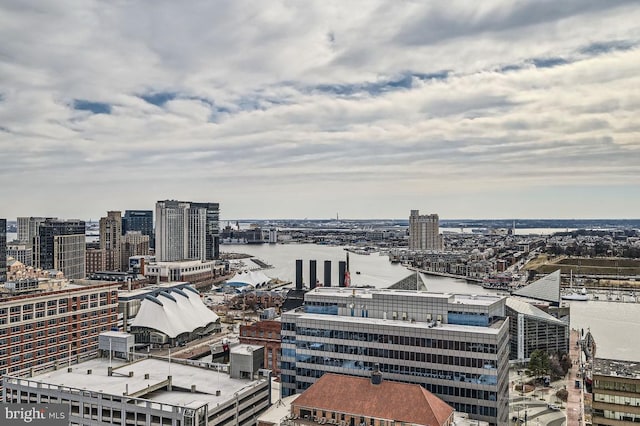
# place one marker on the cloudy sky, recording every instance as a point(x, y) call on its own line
point(294, 109)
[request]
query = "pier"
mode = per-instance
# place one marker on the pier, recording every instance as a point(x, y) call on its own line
point(473, 280)
point(260, 263)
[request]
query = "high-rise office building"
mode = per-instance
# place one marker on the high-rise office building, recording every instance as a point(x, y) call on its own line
point(456, 346)
point(61, 245)
point(3, 250)
point(187, 231)
point(110, 238)
point(28, 229)
point(424, 231)
point(139, 220)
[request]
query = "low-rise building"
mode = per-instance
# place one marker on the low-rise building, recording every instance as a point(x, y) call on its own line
point(21, 252)
point(42, 322)
point(266, 334)
point(172, 317)
point(531, 329)
point(616, 392)
point(199, 273)
point(149, 391)
point(343, 400)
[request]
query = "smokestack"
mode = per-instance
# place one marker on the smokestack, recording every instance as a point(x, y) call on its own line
point(342, 268)
point(299, 274)
point(327, 273)
point(312, 274)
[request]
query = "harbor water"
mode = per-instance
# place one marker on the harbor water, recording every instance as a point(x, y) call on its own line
point(615, 325)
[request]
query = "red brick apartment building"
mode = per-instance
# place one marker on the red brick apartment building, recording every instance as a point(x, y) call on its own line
point(45, 324)
point(267, 334)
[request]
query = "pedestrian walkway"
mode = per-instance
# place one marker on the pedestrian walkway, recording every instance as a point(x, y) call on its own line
point(575, 401)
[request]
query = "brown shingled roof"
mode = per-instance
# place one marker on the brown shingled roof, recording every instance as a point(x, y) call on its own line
point(388, 400)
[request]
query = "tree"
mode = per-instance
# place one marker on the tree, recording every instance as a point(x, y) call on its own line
point(562, 395)
point(539, 363)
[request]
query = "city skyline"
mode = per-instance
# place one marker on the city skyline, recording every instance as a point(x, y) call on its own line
point(366, 109)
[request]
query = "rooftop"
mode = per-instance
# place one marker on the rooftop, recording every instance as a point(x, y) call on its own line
point(369, 293)
point(388, 400)
point(206, 381)
point(528, 309)
point(419, 325)
point(616, 368)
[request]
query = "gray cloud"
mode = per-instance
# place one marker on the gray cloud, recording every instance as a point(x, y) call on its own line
point(354, 104)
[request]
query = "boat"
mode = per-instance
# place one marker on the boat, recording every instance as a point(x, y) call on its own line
point(573, 295)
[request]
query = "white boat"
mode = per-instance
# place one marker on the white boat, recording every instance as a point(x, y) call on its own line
point(582, 296)
point(575, 296)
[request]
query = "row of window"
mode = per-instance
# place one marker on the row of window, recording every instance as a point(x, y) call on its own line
point(481, 379)
point(39, 354)
point(474, 362)
point(616, 415)
point(615, 385)
point(422, 342)
point(28, 307)
point(616, 399)
point(90, 411)
point(52, 321)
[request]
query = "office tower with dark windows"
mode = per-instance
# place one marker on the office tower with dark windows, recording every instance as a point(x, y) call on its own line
point(187, 231)
point(3, 250)
point(61, 245)
point(456, 346)
point(139, 220)
point(110, 239)
point(424, 232)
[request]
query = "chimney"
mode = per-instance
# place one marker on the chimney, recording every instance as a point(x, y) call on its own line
point(299, 274)
point(376, 375)
point(342, 268)
point(312, 274)
point(327, 273)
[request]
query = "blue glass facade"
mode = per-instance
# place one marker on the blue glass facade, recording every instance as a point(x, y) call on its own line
point(468, 318)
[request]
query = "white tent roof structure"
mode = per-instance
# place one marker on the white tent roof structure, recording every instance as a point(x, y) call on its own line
point(252, 278)
point(174, 312)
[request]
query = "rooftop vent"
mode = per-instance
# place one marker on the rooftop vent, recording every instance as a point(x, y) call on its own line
point(376, 375)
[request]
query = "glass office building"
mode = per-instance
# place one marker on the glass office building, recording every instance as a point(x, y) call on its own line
point(456, 346)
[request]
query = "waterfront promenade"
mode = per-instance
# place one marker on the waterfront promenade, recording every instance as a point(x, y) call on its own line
point(575, 399)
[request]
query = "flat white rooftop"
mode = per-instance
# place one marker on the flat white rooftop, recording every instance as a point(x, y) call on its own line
point(206, 381)
point(367, 293)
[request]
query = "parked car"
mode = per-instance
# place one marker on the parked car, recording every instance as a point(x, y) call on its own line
point(553, 407)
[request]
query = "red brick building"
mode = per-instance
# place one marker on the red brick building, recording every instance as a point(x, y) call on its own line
point(49, 323)
point(342, 400)
point(267, 334)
